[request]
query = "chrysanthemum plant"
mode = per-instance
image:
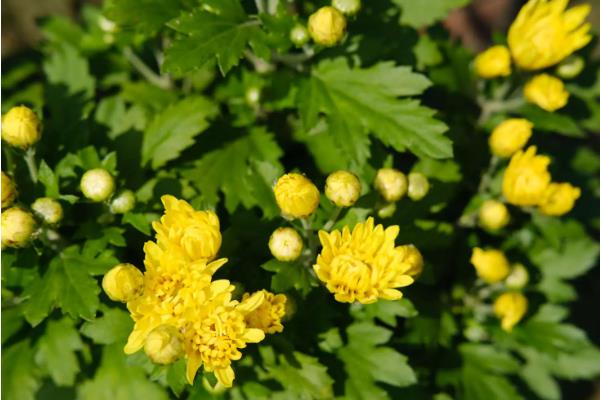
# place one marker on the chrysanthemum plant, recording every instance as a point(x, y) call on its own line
point(300, 200)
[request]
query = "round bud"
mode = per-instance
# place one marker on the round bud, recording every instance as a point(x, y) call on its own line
point(21, 127)
point(49, 210)
point(347, 7)
point(9, 190)
point(387, 210)
point(418, 186)
point(285, 244)
point(18, 227)
point(107, 25)
point(474, 332)
point(253, 96)
point(299, 35)
point(123, 283)
point(518, 277)
point(493, 215)
point(97, 184)
point(570, 67)
point(296, 195)
point(123, 202)
point(327, 26)
point(342, 188)
point(391, 184)
point(411, 256)
point(164, 344)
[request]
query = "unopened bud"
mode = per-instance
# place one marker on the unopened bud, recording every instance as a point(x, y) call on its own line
point(49, 210)
point(299, 35)
point(412, 257)
point(18, 227)
point(164, 344)
point(347, 7)
point(518, 277)
point(123, 202)
point(493, 215)
point(123, 283)
point(9, 190)
point(391, 184)
point(21, 127)
point(97, 184)
point(342, 188)
point(387, 210)
point(570, 67)
point(296, 195)
point(285, 244)
point(327, 26)
point(418, 186)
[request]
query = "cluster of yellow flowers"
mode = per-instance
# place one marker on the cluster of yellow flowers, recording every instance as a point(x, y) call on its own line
point(493, 267)
point(178, 309)
point(543, 34)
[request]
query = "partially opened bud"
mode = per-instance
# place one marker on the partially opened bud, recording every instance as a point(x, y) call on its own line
point(327, 26)
point(518, 277)
point(299, 35)
point(296, 195)
point(412, 257)
point(123, 202)
point(97, 184)
point(49, 210)
point(285, 244)
point(493, 215)
point(164, 344)
point(342, 188)
point(9, 190)
point(123, 283)
point(347, 7)
point(418, 186)
point(18, 227)
point(391, 184)
point(21, 127)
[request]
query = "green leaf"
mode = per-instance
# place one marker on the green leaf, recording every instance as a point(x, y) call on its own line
point(174, 129)
point(56, 351)
point(144, 16)
point(551, 121)
point(12, 321)
point(222, 34)
point(141, 222)
point(66, 67)
point(49, 180)
point(489, 358)
point(425, 12)
point(357, 101)
point(479, 384)
point(385, 310)
point(113, 326)
point(19, 372)
point(289, 275)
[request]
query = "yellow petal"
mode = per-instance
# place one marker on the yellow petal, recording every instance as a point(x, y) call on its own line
point(225, 376)
point(193, 363)
point(391, 294)
point(253, 335)
point(136, 339)
point(575, 16)
point(251, 303)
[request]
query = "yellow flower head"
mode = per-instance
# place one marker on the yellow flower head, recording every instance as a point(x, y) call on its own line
point(9, 190)
point(493, 215)
point(285, 244)
point(267, 317)
point(391, 184)
point(559, 199)
point(196, 233)
point(510, 136)
point(21, 127)
point(410, 255)
point(296, 195)
point(327, 26)
point(547, 92)
point(18, 227)
point(493, 62)
point(342, 188)
point(123, 282)
point(164, 344)
point(491, 265)
point(510, 307)
point(363, 264)
point(526, 178)
point(544, 33)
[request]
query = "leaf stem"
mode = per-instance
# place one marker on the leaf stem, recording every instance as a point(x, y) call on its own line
point(31, 166)
point(162, 82)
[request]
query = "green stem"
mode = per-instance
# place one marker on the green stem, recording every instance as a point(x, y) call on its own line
point(10, 160)
point(486, 179)
point(332, 219)
point(31, 165)
point(162, 82)
point(312, 243)
point(494, 106)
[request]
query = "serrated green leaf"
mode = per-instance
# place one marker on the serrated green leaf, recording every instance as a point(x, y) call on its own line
point(144, 16)
point(489, 358)
point(68, 68)
point(19, 372)
point(12, 321)
point(174, 129)
point(113, 326)
point(289, 275)
point(385, 310)
point(479, 384)
point(56, 351)
point(425, 12)
point(141, 222)
point(49, 180)
point(552, 122)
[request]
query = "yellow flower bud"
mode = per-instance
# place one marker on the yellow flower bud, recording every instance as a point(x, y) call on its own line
point(391, 184)
point(526, 178)
point(123, 283)
point(122, 202)
point(493, 215)
point(327, 26)
point(21, 127)
point(267, 317)
point(9, 190)
point(559, 199)
point(518, 277)
point(49, 210)
point(97, 184)
point(493, 62)
point(285, 244)
point(411, 256)
point(347, 7)
point(342, 188)
point(547, 92)
point(18, 227)
point(510, 307)
point(296, 196)
point(510, 136)
point(418, 186)
point(491, 265)
point(164, 344)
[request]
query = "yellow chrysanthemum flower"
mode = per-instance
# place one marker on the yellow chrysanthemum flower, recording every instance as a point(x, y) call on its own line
point(363, 265)
point(510, 307)
point(296, 195)
point(9, 190)
point(267, 317)
point(559, 199)
point(510, 136)
point(491, 265)
point(544, 33)
point(547, 92)
point(196, 233)
point(526, 179)
point(493, 62)
point(493, 215)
